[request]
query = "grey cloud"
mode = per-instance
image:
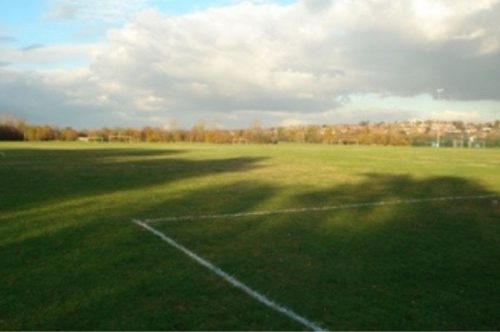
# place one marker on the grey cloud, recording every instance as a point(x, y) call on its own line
point(66, 10)
point(37, 101)
point(317, 5)
point(7, 39)
point(390, 64)
point(94, 10)
point(32, 47)
point(42, 103)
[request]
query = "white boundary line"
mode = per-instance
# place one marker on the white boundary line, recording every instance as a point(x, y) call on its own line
point(321, 208)
point(233, 281)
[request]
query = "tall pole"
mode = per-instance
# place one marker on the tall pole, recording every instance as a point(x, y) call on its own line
point(438, 134)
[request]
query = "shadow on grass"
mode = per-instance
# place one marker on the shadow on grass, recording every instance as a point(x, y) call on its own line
point(32, 178)
point(378, 187)
point(425, 266)
point(101, 272)
point(419, 266)
point(431, 266)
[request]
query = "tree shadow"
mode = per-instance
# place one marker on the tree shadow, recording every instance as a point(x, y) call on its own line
point(423, 266)
point(103, 273)
point(34, 178)
point(378, 187)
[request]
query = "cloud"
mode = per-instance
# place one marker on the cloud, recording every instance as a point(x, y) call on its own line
point(213, 67)
point(37, 102)
point(317, 5)
point(55, 98)
point(94, 10)
point(298, 62)
point(249, 56)
point(64, 10)
point(7, 39)
point(35, 55)
point(32, 47)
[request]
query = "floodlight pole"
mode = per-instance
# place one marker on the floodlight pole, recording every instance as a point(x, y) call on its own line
point(438, 134)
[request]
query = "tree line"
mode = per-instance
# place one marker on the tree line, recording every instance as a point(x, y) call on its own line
point(363, 133)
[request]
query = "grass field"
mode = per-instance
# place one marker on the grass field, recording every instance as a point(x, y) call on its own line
point(71, 258)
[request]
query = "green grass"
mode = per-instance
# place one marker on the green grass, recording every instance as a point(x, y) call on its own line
point(71, 259)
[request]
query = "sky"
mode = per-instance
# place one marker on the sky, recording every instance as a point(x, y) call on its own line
point(230, 63)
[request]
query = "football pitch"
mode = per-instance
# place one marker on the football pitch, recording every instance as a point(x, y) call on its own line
point(99, 236)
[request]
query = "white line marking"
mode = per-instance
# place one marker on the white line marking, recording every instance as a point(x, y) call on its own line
point(236, 283)
point(320, 208)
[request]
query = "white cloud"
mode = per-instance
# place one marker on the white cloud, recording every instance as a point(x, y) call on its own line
point(55, 55)
point(302, 59)
point(94, 10)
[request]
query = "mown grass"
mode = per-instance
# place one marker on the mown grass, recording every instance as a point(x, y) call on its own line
point(72, 259)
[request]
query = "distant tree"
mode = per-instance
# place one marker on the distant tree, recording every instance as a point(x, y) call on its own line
point(255, 133)
point(296, 134)
point(149, 134)
point(69, 134)
point(313, 134)
point(11, 129)
point(197, 132)
point(10, 133)
point(40, 133)
point(405, 133)
point(328, 135)
point(398, 138)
